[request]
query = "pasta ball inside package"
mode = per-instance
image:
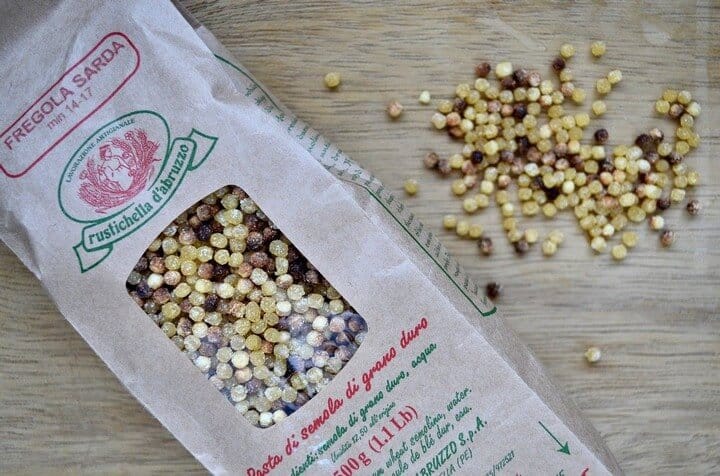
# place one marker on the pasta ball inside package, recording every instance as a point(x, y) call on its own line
point(267, 299)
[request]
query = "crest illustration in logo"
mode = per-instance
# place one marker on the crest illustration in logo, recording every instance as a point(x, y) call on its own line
point(122, 171)
point(122, 176)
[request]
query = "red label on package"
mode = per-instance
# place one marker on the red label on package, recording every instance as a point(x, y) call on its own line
point(81, 91)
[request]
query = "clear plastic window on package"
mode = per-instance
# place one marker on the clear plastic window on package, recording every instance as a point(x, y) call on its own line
point(233, 294)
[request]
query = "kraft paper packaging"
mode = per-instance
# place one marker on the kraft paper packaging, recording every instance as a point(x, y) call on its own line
point(439, 384)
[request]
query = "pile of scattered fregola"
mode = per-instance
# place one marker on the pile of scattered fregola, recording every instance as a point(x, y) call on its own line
point(516, 130)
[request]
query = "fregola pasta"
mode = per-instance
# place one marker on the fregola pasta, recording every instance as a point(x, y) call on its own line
point(245, 306)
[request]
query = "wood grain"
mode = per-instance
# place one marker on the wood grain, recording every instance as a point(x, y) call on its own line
point(655, 396)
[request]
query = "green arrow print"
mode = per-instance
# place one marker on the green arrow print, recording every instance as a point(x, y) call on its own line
point(563, 448)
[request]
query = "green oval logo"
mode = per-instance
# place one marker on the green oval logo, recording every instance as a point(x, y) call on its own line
point(114, 165)
point(122, 175)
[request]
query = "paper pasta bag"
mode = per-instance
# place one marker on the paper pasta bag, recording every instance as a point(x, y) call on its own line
point(269, 301)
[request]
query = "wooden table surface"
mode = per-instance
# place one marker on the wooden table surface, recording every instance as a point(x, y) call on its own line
point(655, 396)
